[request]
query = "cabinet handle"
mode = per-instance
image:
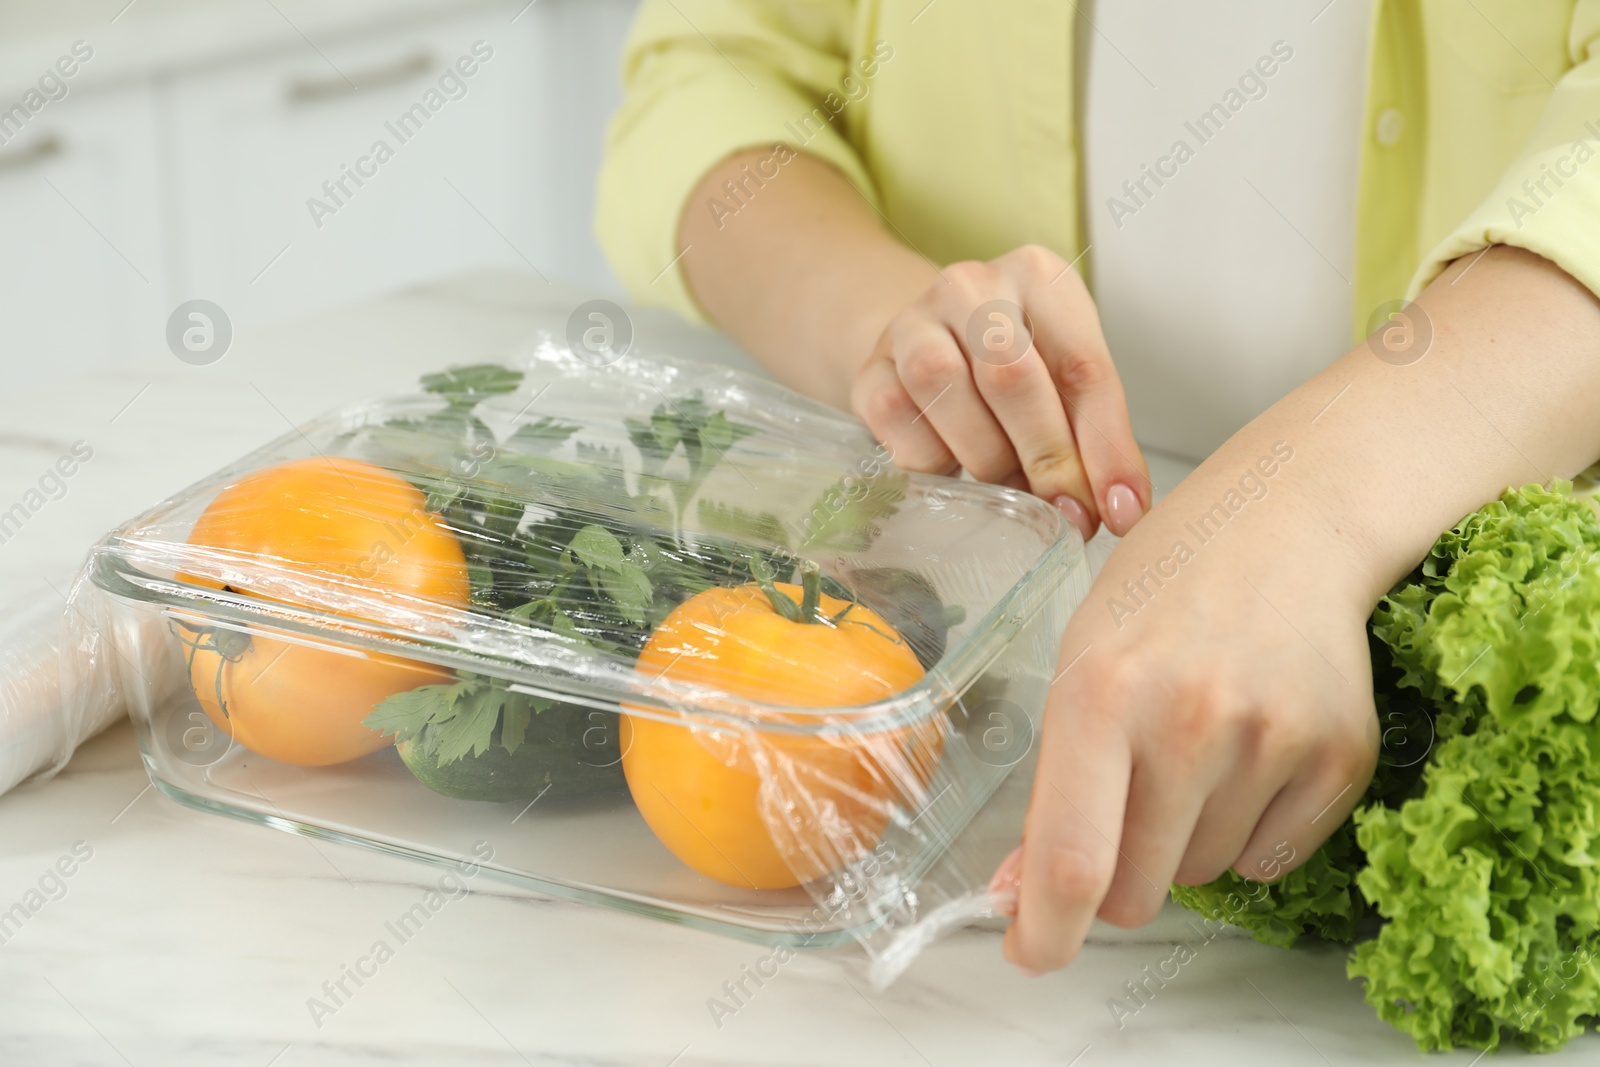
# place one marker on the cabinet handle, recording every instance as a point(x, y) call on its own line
point(46, 147)
point(316, 90)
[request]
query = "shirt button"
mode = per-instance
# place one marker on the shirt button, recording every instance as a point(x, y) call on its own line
point(1390, 124)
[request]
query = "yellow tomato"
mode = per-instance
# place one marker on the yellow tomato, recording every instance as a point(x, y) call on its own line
point(298, 532)
point(713, 797)
point(297, 704)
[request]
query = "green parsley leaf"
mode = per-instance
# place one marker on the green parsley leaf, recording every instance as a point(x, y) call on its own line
point(717, 435)
point(845, 518)
point(542, 435)
point(514, 722)
point(630, 590)
point(764, 528)
point(655, 438)
point(405, 714)
point(471, 727)
point(465, 386)
point(597, 547)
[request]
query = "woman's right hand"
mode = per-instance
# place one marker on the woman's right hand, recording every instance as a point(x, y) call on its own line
point(1001, 368)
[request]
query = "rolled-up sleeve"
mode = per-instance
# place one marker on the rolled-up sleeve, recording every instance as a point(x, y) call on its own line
point(703, 79)
point(1548, 200)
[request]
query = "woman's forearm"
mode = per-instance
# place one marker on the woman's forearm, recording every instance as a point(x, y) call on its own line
point(1389, 453)
point(796, 266)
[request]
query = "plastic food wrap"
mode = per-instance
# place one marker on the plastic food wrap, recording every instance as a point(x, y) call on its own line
point(45, 713)
point(667, 637)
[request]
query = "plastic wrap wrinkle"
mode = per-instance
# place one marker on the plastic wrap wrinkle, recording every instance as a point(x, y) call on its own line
point(911, 940)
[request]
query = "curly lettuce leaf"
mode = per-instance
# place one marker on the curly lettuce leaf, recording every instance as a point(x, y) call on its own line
point(1489, 878)
point(1319, 897)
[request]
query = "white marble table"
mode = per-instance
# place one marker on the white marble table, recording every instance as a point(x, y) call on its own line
point(185, 938)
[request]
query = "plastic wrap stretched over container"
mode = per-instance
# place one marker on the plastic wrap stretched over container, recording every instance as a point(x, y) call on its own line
point(663, 636)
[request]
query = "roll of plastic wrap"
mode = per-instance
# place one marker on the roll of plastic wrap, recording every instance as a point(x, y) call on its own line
point(40, 727)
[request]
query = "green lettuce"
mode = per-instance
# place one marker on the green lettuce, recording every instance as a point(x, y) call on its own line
point(1480, 860)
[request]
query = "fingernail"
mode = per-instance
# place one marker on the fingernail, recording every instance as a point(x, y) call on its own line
point(1026, 973)
point(1078, 515)
point(1009, 874)
point(1123, 509)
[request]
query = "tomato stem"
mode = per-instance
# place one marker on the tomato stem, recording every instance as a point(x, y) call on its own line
point(809, 609)
point(810, 592)
point(231, 650)
point(781, 602)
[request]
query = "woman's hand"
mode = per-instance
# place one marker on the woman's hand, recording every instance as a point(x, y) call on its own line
point(1000, 368)
point(1215, 711)
point(996, 367)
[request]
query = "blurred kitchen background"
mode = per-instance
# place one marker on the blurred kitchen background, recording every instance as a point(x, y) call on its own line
point(179, 159)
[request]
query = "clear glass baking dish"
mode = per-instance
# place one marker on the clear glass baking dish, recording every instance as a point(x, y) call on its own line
point(861, 801)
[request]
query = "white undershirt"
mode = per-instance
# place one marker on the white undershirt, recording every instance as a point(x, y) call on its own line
point(1227, 285)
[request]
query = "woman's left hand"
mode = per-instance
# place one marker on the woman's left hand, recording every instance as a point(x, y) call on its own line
point(1213, 712)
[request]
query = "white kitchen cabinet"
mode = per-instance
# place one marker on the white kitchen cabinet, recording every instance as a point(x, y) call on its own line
point(581, 77)
point(193, 173)
point(81, 267)
point(254, 143)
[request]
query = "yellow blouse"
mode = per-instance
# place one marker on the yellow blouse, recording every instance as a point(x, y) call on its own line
point(954, 118)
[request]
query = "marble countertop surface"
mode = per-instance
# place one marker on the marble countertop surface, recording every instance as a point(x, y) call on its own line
point(181, 938)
